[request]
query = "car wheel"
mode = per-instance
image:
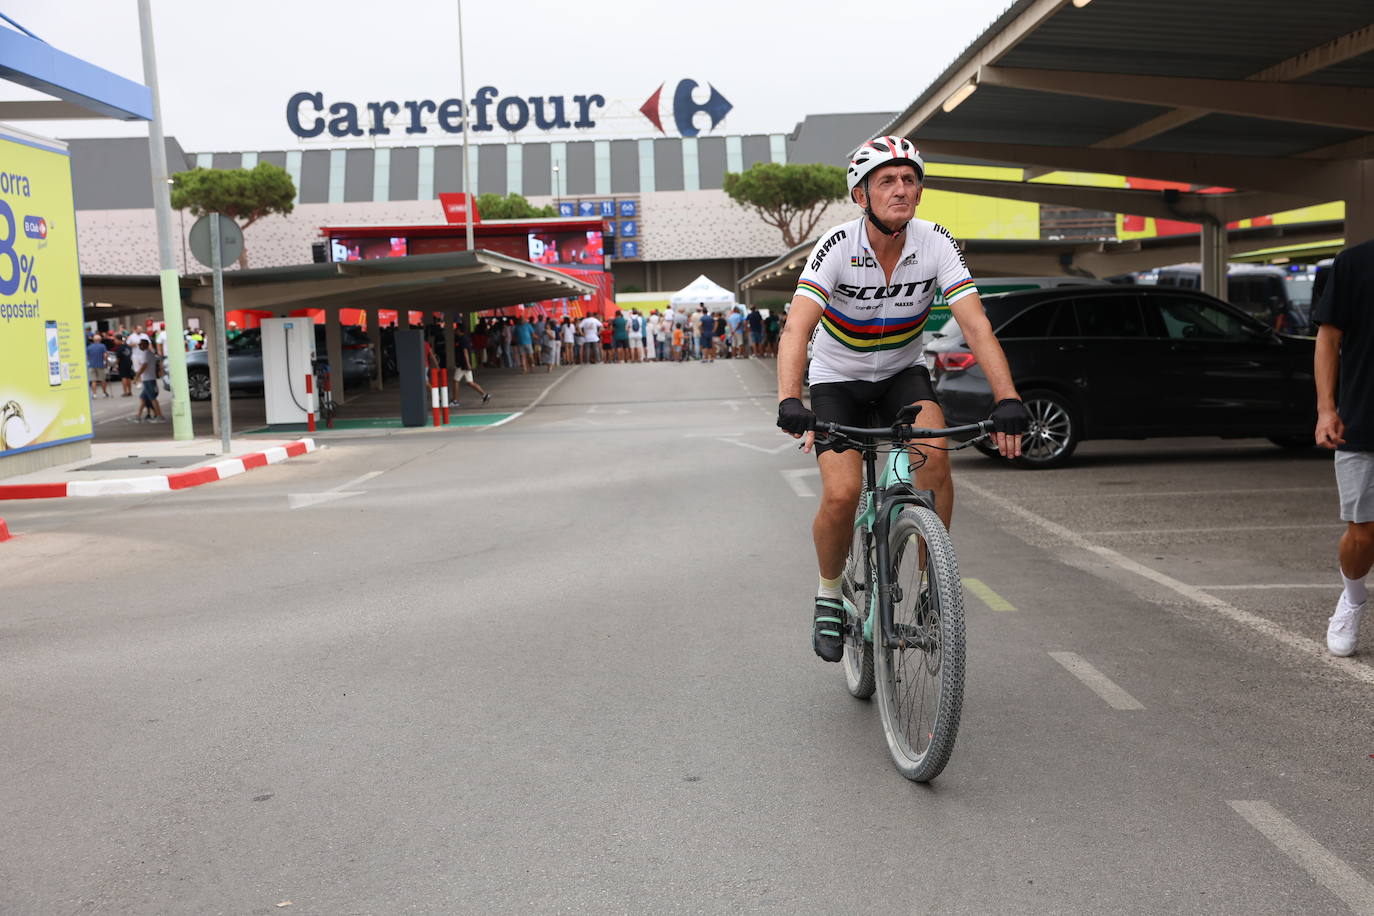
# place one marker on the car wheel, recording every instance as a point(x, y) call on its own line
point(1294, 442)
point(1054, 433)
point(199, 384)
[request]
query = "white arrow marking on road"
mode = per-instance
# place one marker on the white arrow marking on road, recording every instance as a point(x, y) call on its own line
point(1329, 870)
point(305, 500)
point(1096, 681)
point(758, 448)
point(596, 408)
point(798, 485)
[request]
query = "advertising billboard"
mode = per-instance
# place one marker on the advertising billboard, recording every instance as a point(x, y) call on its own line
point(43, 392)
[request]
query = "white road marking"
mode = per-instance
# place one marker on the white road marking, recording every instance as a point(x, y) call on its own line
point(798, 485)
point(304, 500)
point(597, 408)
point(1214, 588)
point(1214, 530)
point(758, 448)
point(1096, 681)
point(1302, 644)
point(551, 386)
point(1098, 494)
point(1329, 870)
point(994, 601)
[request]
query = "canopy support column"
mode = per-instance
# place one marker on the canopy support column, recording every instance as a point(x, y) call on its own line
point(333, 344)
point(450, 361)
point(374, 332)
point(1214, 255)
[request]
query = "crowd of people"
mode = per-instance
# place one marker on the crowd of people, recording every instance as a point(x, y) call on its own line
point(129, 356)
point(629, 336)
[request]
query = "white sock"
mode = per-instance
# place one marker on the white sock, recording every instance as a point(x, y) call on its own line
point(1355, 592)
point(829, 588)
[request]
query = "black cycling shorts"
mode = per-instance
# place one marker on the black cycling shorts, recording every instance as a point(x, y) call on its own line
point(870, 404)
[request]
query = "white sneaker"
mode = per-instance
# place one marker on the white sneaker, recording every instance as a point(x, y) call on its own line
point(1344, 629)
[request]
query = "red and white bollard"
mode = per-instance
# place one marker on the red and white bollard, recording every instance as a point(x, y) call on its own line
point(443, 394)
point(310, 402)
point(434, 394)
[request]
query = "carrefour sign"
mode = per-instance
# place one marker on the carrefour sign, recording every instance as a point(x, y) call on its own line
point(311, 114)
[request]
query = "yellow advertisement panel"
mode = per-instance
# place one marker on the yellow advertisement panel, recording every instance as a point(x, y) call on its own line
point(43, 392)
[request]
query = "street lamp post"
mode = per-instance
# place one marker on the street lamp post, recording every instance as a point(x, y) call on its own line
point(557, 185)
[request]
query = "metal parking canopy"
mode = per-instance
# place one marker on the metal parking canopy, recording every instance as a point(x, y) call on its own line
point(465, 281)
point(1273, 99)
point(1040, 257)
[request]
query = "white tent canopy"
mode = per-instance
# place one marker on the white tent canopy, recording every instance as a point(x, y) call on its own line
point(702, 290)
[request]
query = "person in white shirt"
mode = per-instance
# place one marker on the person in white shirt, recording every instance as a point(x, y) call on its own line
point(654, 350)
point(591, 339)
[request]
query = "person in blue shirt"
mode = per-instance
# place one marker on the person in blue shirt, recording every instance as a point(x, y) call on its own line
point(620, 335)
point(708, 337)
point(95, 365)
point(524, 344)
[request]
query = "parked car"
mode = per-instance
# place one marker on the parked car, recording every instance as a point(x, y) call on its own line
point(1125, 362)
point(245, 361)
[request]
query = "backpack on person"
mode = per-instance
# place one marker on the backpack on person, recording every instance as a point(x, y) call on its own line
point(634, 324)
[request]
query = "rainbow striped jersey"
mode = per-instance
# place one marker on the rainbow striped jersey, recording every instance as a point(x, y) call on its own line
point(870, 328)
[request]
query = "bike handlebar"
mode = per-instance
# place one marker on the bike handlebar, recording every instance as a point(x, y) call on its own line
point(900, 432)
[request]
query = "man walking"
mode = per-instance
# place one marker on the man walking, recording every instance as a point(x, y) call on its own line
point(1345, 422)
point(463, 369)
point(146, 371)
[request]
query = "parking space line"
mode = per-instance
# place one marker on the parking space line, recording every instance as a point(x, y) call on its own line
point(1264, 625)
point(799, 486)
point(1096, 681)
point(1221, 530)
point(1328, 869)
point(1327, 585)
point(994, 601)
point(1253, 491)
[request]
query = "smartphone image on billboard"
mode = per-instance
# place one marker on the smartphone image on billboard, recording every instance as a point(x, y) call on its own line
point(54, 357)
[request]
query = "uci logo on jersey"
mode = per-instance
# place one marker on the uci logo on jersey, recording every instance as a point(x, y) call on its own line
point(685, 107)
point(862, 261)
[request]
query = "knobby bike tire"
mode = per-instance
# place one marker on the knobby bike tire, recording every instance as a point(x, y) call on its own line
point(858, 652)
point(925, 679)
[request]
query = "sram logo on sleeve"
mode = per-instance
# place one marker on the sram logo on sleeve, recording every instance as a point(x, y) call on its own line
point(824, 249)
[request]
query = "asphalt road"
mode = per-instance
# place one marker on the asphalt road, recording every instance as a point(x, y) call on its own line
point(563, 665)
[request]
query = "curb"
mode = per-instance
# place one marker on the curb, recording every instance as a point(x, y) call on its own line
point(180, 480)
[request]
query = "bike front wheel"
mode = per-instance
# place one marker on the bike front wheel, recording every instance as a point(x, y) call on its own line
point(920, 670)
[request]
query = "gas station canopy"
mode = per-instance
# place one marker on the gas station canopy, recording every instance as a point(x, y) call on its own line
point(464, 281)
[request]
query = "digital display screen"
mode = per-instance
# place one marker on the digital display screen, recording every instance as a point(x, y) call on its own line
point(366, 249)
point(567, 249)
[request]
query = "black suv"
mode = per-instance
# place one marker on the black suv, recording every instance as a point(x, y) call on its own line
point(1129, 363)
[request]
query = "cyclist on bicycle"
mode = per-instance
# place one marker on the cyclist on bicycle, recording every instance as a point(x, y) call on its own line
point(870, 283)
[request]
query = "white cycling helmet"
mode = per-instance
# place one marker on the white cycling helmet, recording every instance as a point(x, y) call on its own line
point(882, 151)
point(878, 152)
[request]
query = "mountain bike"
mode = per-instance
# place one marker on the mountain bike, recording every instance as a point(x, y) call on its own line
point(904, 603)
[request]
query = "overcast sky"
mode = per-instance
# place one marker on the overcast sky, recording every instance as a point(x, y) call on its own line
point(228, 68)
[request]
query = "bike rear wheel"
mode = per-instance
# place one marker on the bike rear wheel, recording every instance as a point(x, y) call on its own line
point(920, 678)
point(858, 652)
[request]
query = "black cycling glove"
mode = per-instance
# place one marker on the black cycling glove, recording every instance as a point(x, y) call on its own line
point(794, 417)
point(1011, 417)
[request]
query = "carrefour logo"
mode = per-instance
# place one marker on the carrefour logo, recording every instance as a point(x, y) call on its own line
point(685, 106)
point(35, 227)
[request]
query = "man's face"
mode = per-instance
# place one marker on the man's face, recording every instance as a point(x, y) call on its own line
point(895, 192)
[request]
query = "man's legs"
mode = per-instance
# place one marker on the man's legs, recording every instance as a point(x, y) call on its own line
point(833, 528)
point(1357, 549)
